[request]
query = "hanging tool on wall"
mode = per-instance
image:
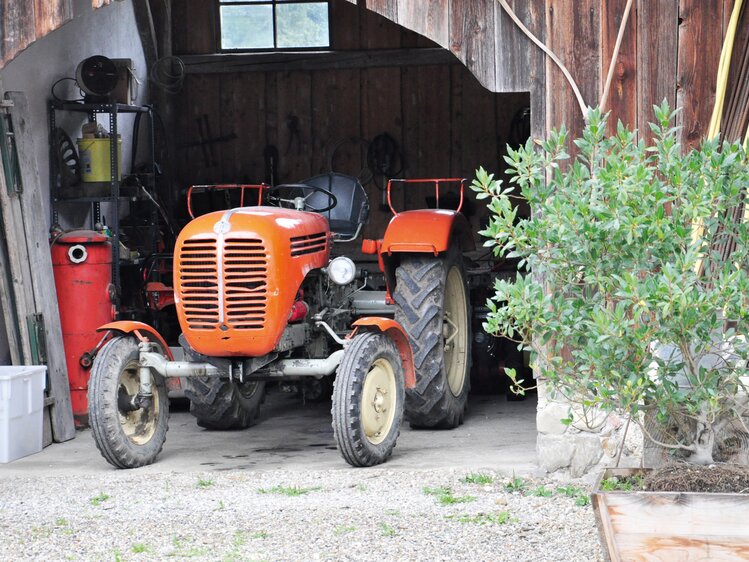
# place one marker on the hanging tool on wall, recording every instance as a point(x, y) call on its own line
point(386, 161)
point(295, 133)
point(270, 155)
point(206, 142)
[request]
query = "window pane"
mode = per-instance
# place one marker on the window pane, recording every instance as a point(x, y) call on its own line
point(302, 25)
point(246, 27)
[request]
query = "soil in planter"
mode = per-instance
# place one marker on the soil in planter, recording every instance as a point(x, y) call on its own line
point(716, 478)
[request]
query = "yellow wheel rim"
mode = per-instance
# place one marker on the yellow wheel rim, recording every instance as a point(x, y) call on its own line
point(378, 401)
point(455, 330)
point(138, 426)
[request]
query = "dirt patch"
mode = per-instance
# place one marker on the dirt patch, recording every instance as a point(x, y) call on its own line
point(725, 478)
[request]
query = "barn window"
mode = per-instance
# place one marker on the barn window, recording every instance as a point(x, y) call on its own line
point(273, 24)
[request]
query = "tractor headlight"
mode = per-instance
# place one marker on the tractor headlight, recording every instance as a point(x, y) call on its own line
point(341, 270)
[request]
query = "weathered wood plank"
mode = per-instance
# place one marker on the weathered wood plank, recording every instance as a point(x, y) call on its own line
point(199, 27)
point(519, 62)
point(622, 98)
point(243, 114)
point(378, 29)
point(7, 304)
point(345, 32)
point(180, 29)
point(573, 33)
point(19, 27)
point(699, 53)
point(335, 118)
point(40, 268)
point(472, 37)
point(386, 8)
point(426, 99)
point(381, 112)
point(203, 123)
point(657, 47)
point(326, 60)
point(50, 14)
point(429, 18)
point(294, 125)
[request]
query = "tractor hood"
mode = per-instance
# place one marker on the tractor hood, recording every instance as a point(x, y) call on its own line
point(238, 272)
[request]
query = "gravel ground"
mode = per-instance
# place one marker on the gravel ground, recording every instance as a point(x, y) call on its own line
point(285, 515)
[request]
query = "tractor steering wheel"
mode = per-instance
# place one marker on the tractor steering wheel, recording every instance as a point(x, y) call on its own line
point(300, 203)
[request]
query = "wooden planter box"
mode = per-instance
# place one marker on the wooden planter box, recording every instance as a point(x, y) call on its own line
point(678, 526)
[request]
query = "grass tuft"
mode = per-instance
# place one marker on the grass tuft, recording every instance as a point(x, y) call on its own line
point(478, 478)
point(96, 501)
point(291, 491)
point(500, 518)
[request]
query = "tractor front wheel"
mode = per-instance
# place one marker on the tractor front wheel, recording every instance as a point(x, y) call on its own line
point(368, 397)
point(126, 436)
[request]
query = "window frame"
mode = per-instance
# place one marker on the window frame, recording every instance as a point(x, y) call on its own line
point(273, 3)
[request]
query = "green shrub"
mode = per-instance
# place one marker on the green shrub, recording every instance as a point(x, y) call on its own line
point(610, 289)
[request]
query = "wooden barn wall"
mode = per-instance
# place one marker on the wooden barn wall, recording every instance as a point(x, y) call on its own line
point(443, 120)
point(670, 50)
point(25, 21)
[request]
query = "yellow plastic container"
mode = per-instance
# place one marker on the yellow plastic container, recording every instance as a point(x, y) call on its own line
point(95, 161)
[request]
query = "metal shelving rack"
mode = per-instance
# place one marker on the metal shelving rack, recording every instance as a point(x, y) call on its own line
point(92, 110)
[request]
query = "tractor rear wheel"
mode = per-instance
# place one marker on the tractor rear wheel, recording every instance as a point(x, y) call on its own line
point(224, 404)
point(368, 400)
point(432, 306)
point(125, 436)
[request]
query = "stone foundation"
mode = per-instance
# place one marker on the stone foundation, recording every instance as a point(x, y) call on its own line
point(590, 442)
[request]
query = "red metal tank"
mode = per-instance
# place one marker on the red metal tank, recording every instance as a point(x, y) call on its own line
point(82, 262)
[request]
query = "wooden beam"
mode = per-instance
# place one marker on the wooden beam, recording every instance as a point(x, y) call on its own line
point(318, 60)
point(146, 29)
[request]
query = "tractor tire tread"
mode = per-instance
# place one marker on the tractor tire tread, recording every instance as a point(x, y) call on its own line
point(419, 297)
point(104, 420)
point(346, 408)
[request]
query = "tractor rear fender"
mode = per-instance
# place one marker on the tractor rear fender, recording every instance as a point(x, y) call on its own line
point(395, 332)
point(142, 331)
point(431, 231)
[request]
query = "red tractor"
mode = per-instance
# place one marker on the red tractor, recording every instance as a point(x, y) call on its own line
point(261, 295)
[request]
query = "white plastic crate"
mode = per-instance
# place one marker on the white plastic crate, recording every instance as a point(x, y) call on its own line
point(21, 411)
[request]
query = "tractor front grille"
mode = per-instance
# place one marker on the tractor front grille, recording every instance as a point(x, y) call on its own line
point(227, 295)
point(246, 283)
point(199, 282)
point(301, 245)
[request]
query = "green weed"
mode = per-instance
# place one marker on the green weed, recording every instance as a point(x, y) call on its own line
point(445, 495)
point(387, 530)
point(542, 492)
point(96, 501)
point(578, 494)
point(441, 491)
point(516, 484)
point(205, 482)
point(139, 547)
point(478, 478)
point(260, 535)
point(183, 550)
point(343, 530)
point(500, 518)
point(622, 484)
point(291, 491)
